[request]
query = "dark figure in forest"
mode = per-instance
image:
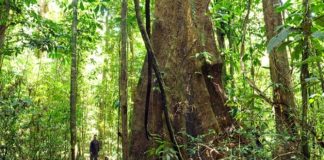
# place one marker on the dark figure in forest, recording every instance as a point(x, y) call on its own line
point(94, 148)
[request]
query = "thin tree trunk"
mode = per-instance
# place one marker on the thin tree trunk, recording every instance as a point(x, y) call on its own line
point(320, 72)
point(304, 74)
point(4, 10)
point(83, 124)
point(108, 137)
point(102, 106)
point(132, 60)
point(43, 7)
point(123, 79)
point(232, 50)
point(74, 76)
point(319, 68)
point(220, 32)
point(283, 96)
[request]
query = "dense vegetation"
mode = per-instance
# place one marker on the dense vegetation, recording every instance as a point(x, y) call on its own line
point(167, 79)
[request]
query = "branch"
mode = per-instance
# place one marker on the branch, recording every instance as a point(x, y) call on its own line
point(259, 92)
point(285, 154)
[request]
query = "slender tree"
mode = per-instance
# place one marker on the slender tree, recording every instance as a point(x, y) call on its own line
point(123, 79)
point(102, 105)
point(74, 84)
point(304, 74)
point(283, 95)
point(220, 34)
point(4, 10)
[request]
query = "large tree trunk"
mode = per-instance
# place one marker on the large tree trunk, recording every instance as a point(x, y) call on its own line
point(193, 87)
point(74, 75)
point(123, 80)
point(283, 96)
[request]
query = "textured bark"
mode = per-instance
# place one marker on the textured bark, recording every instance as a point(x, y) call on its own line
point(283, 96)
point(74, 76)
point(304, 74)
point(204, 31)
point(123, 79)
point(138, 142)
point(181, 30)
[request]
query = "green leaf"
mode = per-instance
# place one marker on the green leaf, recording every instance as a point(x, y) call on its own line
point(295, 55)
point(277, 40)
point(81, 5)
point(167, 157)
point(320, 20)
point(314, 95)
point(205, 56)
point(96, 10)
point(284, 6)
point(312, 100)
point(318, 35)
point(311, 79)
point(283, 46)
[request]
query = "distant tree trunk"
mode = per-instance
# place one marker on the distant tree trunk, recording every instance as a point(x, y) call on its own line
point(232, 50)
point(194, 87)
point(320, 72)
point(102, 106)
point(4, 10)
point(221, 42)
point(43, 7)
point(283, 96)
point(131, 67)
point(220, 33)
point(304, 74)
point(74, 84)
point(123, 79)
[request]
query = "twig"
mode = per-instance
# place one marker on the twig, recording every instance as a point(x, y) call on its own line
point(285, 154)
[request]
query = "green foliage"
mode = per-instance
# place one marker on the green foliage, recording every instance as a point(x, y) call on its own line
point(164, 149)
point(205, 57)
point(283, 7)
point(279, 39)
point(318, 35)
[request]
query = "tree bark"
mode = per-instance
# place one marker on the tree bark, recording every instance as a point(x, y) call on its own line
point(304, 74)
point(4, 10)
point(283, 96)
point(74, 82)
point(123, 79)
point(194, 89)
